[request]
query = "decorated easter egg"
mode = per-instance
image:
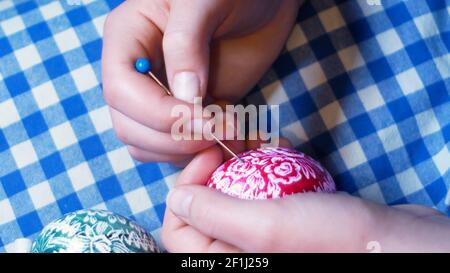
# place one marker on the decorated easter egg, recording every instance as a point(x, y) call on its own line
point(94, 231)
point(271, 173)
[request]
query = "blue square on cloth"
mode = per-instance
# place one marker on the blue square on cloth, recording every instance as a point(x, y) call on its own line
point(5, 47)
point(284, 65)
point(92, 147)
point(445, 38)
point(93, 50)
point(69, 203)
point(3, 142)
point(52, 165)
point(417, 151)
point(345, 181)
point(398, 14)
point(322, 47)
point(35, 124)
point(304, 105)
point(381, 167)
point(360, 30)
point(437, 190)
point(149, 173)
point(74, 107)
point(39, 32)
point(323, 144)
point(29, 223)
point(418, 53)
point(56, 67)
point(400, 109)
point(13, 183)
point(435, 5)
point(342, 85)
point(362, 125)
point(114, 3)
point(25, 7)
point(17, 84)
point(109, 188)
point(160, 209)
point(438, 93)
point(380, 70)
point(78, 16)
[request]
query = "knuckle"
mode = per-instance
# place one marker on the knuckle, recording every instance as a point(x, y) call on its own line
point(122, 133)
point(136, 154)
point(176, 41)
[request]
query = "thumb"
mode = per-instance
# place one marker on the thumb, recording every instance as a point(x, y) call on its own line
point(186, 47)
point(248, 225)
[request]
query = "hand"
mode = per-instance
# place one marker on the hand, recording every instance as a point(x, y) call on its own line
point(218, 48)
point(201, 219)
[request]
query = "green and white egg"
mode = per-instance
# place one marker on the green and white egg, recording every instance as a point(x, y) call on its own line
point(94, 231)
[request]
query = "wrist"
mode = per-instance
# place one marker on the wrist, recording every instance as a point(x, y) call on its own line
point(404, 231)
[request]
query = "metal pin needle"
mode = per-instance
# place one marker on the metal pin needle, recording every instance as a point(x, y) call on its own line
point(143, 65)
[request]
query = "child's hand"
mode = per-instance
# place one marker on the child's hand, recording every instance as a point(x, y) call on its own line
point(205, 47)
point(201, 219)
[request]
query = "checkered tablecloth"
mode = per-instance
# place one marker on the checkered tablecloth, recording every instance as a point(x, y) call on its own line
point(363, 88)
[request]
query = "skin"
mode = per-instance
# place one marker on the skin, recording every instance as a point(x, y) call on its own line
point(228, 45)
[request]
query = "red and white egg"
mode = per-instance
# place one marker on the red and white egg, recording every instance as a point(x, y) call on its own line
point(267, 173)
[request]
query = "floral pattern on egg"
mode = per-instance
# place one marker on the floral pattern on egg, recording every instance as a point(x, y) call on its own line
point(271, 173)
point(94, 231)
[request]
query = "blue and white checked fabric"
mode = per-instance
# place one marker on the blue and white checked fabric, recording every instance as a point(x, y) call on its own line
point(363, 88)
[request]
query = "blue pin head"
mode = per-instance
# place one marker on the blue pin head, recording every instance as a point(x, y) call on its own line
point(143, 65)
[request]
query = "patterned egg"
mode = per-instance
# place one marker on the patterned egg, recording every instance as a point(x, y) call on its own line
point(94, 231)
point(271, 173)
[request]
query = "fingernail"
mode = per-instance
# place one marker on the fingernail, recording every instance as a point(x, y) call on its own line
point(179, 202)
point(186, 86)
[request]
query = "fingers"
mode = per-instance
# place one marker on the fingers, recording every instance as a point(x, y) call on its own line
point(248, 225)
point(176, 235)
point(146, 156)
point(188, 239)
point(132, 133)
point(186, 46)
point(201, 167)
point(301, 222)
point(133, 94)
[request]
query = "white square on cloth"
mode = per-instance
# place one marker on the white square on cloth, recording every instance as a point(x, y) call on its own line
point(409, 182)
point(138, 200)
point(351, 57)
point(81, 176)
point(352, 154)
point(63, 135)
point(27, 56)
point(409, 81)
point(274, 94)
point(45, 95)
point(389, 41)
point(24, 154)
point(67, 40)
point(313, 75)
point(101, 119)
point(41, 195)
point(51, 10)
point(331, 19)
point(7, 213)
point(8, 113)
point(120, 160)
point(84, 78)
point(12, 25)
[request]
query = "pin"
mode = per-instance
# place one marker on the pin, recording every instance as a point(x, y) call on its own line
point(144, 66)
